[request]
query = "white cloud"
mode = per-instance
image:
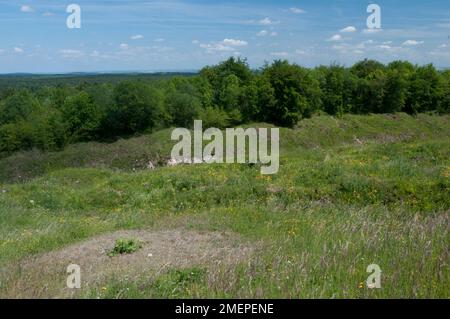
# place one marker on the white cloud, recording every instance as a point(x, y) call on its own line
point(159, 40)
point(137, 37)
point(195, 42)
point(443, 46)
point(162, 48)
point(234, 43)
point(266, 21)
point(223, 46)
point(336, 37)
point(97, 54)
point(412, 42)
point(361, 46)
point(385, 47)
point(262, 33)
point(124, 46)
point(47, 14)
point(297, 10)
point(348, 29)
point(345, 48)
point(18, 50)
point(369, 47)
point(210, 48)
point(26, 9)
point(71, 54)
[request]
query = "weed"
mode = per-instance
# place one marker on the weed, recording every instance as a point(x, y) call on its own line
point(125, 246)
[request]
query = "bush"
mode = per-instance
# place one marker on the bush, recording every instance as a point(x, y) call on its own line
point(125, 246)
point(214, 117)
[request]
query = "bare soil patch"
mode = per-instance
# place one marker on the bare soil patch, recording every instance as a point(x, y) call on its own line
point(44, 276)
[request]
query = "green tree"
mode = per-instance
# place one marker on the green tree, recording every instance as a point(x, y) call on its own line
point(266, 101)
point(370, 90)
point(363, 69)
point(249, 104)
point(444, 106)
point(395, 92)
point(138, 107)
point(425, 92)
point(18, 106)
point(10, 139)
point(225, 79)
point(296, 91)
point(333, 82)
point(183, 108)
point(82, 117)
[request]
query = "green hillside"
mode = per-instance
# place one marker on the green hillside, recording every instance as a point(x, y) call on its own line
point(351, 191)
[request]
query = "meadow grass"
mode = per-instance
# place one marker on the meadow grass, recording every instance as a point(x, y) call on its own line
point(350, 192)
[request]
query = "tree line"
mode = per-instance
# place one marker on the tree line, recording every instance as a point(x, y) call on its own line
point(228, 94)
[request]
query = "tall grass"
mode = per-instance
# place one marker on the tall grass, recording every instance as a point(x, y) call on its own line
point(350, 192)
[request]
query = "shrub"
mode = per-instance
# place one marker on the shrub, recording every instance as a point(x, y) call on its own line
point(125, 246)
point(214, 117)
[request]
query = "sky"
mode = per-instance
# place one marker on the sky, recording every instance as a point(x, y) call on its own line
point(184, 35)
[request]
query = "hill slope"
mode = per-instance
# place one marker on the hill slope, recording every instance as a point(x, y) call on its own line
point(351, 192)
point(135, 153)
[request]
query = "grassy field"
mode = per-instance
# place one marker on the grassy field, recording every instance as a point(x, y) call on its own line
point(350, 192)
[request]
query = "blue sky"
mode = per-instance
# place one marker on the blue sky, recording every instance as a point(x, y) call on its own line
point(189, 34)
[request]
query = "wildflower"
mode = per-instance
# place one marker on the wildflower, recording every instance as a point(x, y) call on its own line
point(361, 285)
point(32, 202)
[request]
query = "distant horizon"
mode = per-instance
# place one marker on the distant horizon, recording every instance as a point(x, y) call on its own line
point(150, 72)
point(112, 72)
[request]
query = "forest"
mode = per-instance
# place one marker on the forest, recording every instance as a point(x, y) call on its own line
point(67, 110)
